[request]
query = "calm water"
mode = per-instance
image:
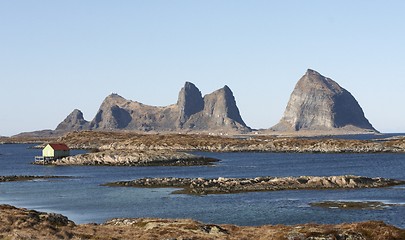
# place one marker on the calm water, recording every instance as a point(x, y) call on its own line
point(83, 200)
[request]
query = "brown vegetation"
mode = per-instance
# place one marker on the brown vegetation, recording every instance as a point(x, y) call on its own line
point(16, 223)
point(203, 142)
point(129, 140)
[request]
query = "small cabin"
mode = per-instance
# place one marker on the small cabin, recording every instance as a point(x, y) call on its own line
point(55, 151)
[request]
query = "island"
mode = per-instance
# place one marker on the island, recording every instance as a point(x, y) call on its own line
point(132, 158)
point(17, 178)
point(221, 185)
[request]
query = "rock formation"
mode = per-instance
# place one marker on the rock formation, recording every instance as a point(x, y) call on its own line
point(73, 122)
point(216, 111)
point(319, 103)
point(219, 112)
point(190, 102)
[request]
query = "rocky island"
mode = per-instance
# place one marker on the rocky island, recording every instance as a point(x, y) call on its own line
point(350, 205)
point(222, 185)
point(16, 178)
point(20, 223)
point(320, 104)
point(132, 158)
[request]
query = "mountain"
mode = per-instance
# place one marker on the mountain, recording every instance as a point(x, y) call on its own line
point(190, 102)
point(216, 111)
point(319, 103)
point(73, 122)
point(219, 112)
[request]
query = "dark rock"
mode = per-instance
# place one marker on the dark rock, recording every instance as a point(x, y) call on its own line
point(15, 178)
point(319, 103)
point(370, 205)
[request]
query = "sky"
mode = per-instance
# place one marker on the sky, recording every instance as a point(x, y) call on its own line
point(56, 56)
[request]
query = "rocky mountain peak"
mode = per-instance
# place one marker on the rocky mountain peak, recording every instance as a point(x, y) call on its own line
point(190, 101)
point(73, 122)
point(114, 97)
point(111, 114)
point(319, 103)
point(313, 79)
point(221, 104)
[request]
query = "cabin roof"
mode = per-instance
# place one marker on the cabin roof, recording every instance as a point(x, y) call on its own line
point(59, 146)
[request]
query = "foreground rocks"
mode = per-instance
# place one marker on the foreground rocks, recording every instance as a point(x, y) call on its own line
point(133, 158)
point(18, 223)
point(234, 185)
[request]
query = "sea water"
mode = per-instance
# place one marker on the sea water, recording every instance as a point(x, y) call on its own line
point(82, 198)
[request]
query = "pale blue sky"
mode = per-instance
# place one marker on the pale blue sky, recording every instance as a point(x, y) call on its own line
point(56, 56)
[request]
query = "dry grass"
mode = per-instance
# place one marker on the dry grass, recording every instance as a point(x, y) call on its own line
point(18, 223)
point(204, 142)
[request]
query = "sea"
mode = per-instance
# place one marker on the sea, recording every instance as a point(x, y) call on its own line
point(82, 198)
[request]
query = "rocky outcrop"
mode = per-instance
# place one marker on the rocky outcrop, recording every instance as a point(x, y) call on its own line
point(73, 122)
point(132, 158)
point(219, 113)
point(216, 111)
point(319, 103)
point(20, 223)
point(190, 102)
point(17, 178)
point(236, 185)
point(369, 205)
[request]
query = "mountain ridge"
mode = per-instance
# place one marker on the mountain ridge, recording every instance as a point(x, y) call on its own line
point(216, 111)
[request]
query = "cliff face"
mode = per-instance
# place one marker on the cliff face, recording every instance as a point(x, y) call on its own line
point(219, 112)
point(215, 111)
point(319, 103)
point(190, 102)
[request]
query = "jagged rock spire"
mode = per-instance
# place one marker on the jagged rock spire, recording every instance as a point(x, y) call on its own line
point(190, 101)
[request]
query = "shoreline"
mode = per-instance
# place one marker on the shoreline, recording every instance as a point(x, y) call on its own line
point(21, 223)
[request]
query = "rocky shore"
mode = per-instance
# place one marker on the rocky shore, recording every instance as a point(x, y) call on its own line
point(222, 185)
point(133, 158)
point(20, 223)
